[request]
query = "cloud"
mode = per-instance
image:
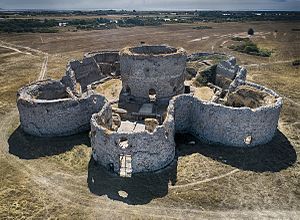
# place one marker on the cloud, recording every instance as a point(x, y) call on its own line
point(153, 4)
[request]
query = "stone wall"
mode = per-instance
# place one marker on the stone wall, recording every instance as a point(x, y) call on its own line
point(159, 69)
point(53, 108)
point(149, 151)
point(93, 67)
point(183, 110)
point(86, 71)
point(46, 109)
point(231, 126)
point(104, 56)
point(209, 121)
point(226, 71)
point(108, 61)
point(227, 68)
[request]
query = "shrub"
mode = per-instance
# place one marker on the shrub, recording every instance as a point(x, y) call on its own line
point(206, 76)
point(251, 48)
point(240, 39)
point(251, 31)
point(202, 27)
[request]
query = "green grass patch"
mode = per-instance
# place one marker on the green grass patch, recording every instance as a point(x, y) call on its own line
point(244, 39)
point(206, 76)
point(248, 47)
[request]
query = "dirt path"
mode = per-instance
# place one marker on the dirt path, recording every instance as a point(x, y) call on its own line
point(22, 49)
point(205, 180)
point(266, 64)
point(25, 50)
point(14, 49)
point(9, 117)
point(290, 100)
point(43, 71)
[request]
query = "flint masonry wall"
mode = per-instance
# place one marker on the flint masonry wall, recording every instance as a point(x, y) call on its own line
point(149, 151)
point(46, 109)
point(93, 67)
point(227, 68)
point(182, 114)
point(108, 61)
point(227, 125)
point(227, 73)
point(206, 120)
point(157, 68)
point(49, 108)
point(209, 121)
point(86, 71)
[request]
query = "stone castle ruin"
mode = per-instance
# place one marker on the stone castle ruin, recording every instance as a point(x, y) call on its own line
point(136, 132)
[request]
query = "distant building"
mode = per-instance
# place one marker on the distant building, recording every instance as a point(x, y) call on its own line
point(62, 24)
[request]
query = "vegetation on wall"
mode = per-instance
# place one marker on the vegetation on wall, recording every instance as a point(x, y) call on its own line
point(206, 76)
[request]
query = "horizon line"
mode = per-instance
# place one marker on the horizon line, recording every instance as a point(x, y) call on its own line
point(143, 10)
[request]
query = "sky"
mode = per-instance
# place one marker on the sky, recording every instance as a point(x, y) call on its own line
point(153, 4)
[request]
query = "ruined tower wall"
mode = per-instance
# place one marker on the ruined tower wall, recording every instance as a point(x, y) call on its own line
point(86, 71)
point(183, 109)
point(162, 72)
point(148, 151)
point(45, 112)
point(231, 126)
point(93, 67)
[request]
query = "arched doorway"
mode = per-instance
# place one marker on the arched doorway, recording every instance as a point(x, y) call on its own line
point(152, 95)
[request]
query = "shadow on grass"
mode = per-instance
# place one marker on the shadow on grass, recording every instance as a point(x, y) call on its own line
point(26, 146)
point(139, 189)
point(142, 188)
point(274, 156)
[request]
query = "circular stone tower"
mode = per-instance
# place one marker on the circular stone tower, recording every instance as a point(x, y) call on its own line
point(153, 70)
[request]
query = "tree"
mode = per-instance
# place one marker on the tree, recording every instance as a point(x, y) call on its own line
point(251, 31)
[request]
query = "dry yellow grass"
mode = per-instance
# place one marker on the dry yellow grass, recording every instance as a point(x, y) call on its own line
point(204, 93)
point(110, 89)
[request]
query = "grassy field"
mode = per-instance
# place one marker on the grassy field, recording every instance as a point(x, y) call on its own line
point(55, 178)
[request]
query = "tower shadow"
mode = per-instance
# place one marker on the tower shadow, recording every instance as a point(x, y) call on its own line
point(274, 156)
point(139, 189)
point(26, 146)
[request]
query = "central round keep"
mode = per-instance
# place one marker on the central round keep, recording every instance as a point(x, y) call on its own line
point(153, 70)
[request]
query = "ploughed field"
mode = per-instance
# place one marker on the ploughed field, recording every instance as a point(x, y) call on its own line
point(55, 177)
